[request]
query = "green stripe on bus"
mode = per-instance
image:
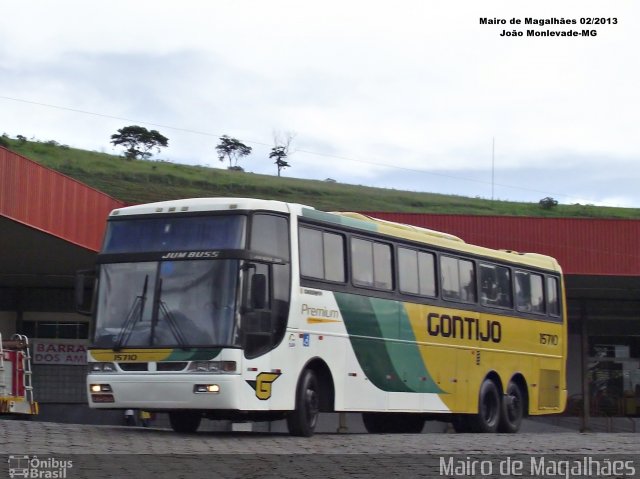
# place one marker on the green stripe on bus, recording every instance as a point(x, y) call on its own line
point(193, 354)
point(339, 220)
point(384, 344)
point(417, 376)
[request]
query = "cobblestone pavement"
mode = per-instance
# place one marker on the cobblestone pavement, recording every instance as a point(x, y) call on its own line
point(118, 451)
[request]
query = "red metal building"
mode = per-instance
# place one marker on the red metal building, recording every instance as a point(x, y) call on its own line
point(52, 225)
point(582, 246)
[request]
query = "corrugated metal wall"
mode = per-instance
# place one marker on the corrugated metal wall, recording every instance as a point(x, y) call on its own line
point(59, 205)
point(582, 246)
point(52, 202)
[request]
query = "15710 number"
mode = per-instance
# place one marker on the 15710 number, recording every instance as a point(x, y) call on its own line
point(125, 357)
point(551, 339)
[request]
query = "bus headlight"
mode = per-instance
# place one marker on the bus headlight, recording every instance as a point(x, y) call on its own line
point(217, 367)
point(100, 388)
point(206, 388)
point(102, 367)
point(101, 393)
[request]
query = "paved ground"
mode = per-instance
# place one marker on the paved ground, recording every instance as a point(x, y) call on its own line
point(79, 451)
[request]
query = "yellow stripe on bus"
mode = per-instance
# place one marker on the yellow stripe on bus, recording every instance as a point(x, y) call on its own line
point(130, 355)
point(313, 320)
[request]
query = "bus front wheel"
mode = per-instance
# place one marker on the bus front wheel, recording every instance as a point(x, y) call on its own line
point(489, 409)
point(185, 421)
point(303, 419)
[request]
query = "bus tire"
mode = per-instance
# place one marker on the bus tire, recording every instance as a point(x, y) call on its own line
point(302, 421)
point(512, 409)
point(185, 421)
point(489, 409)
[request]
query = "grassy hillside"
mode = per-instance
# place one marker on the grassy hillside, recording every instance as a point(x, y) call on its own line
point(145, 181)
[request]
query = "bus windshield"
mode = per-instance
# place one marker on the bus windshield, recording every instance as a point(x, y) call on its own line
point(167, 304)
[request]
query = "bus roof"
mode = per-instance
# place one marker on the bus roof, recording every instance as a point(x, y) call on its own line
point(431, 237)
point(206, 204)
point(348, 219)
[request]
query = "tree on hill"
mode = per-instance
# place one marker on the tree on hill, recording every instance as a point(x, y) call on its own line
point(548, 203)
point(281, 150)
point(138, 141)
point(279, 153)
point(232, 149)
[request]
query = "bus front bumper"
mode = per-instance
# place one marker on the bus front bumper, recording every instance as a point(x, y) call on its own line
point(186, 391)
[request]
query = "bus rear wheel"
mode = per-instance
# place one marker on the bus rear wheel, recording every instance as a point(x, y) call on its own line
point(302, 421)
point(489, 409)
point(512, 409)
point(185, 421)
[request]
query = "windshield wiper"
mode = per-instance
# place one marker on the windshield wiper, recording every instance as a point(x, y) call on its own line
point(135, 315)
point(174, 327)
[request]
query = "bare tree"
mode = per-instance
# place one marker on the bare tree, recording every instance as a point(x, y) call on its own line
point(281, 149)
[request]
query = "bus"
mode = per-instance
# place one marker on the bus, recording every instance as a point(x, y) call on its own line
point(257, 310)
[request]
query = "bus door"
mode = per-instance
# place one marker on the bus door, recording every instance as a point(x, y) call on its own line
point(258, 331)
point(257, 318)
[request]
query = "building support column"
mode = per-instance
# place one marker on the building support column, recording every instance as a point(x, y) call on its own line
point(584, 360)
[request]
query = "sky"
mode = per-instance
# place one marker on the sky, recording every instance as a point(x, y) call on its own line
point(413, 95)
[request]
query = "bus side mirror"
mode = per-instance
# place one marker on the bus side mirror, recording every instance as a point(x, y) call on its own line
point(258, 291)
point(84, 280)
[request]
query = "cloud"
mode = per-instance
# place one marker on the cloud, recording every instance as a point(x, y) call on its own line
point(384, 94)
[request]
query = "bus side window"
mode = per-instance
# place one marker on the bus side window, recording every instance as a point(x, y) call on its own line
point(530, 293)
point(495, 286)
point(553, 305)
point(371, 264)
point(505, 295)
point(311, 253)
point(467, 280)
point(270, 235)
point(334, 269)
point(450, 278)
point(321, 255)
point(537, 294)
point(488, 285)
point(382, 272)
point(362, 262)
point(458, 279)
point(416, 272)
point(523, 298)
point(427, 273)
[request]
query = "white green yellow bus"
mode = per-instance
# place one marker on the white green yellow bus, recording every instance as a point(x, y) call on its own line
point(248, 309)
